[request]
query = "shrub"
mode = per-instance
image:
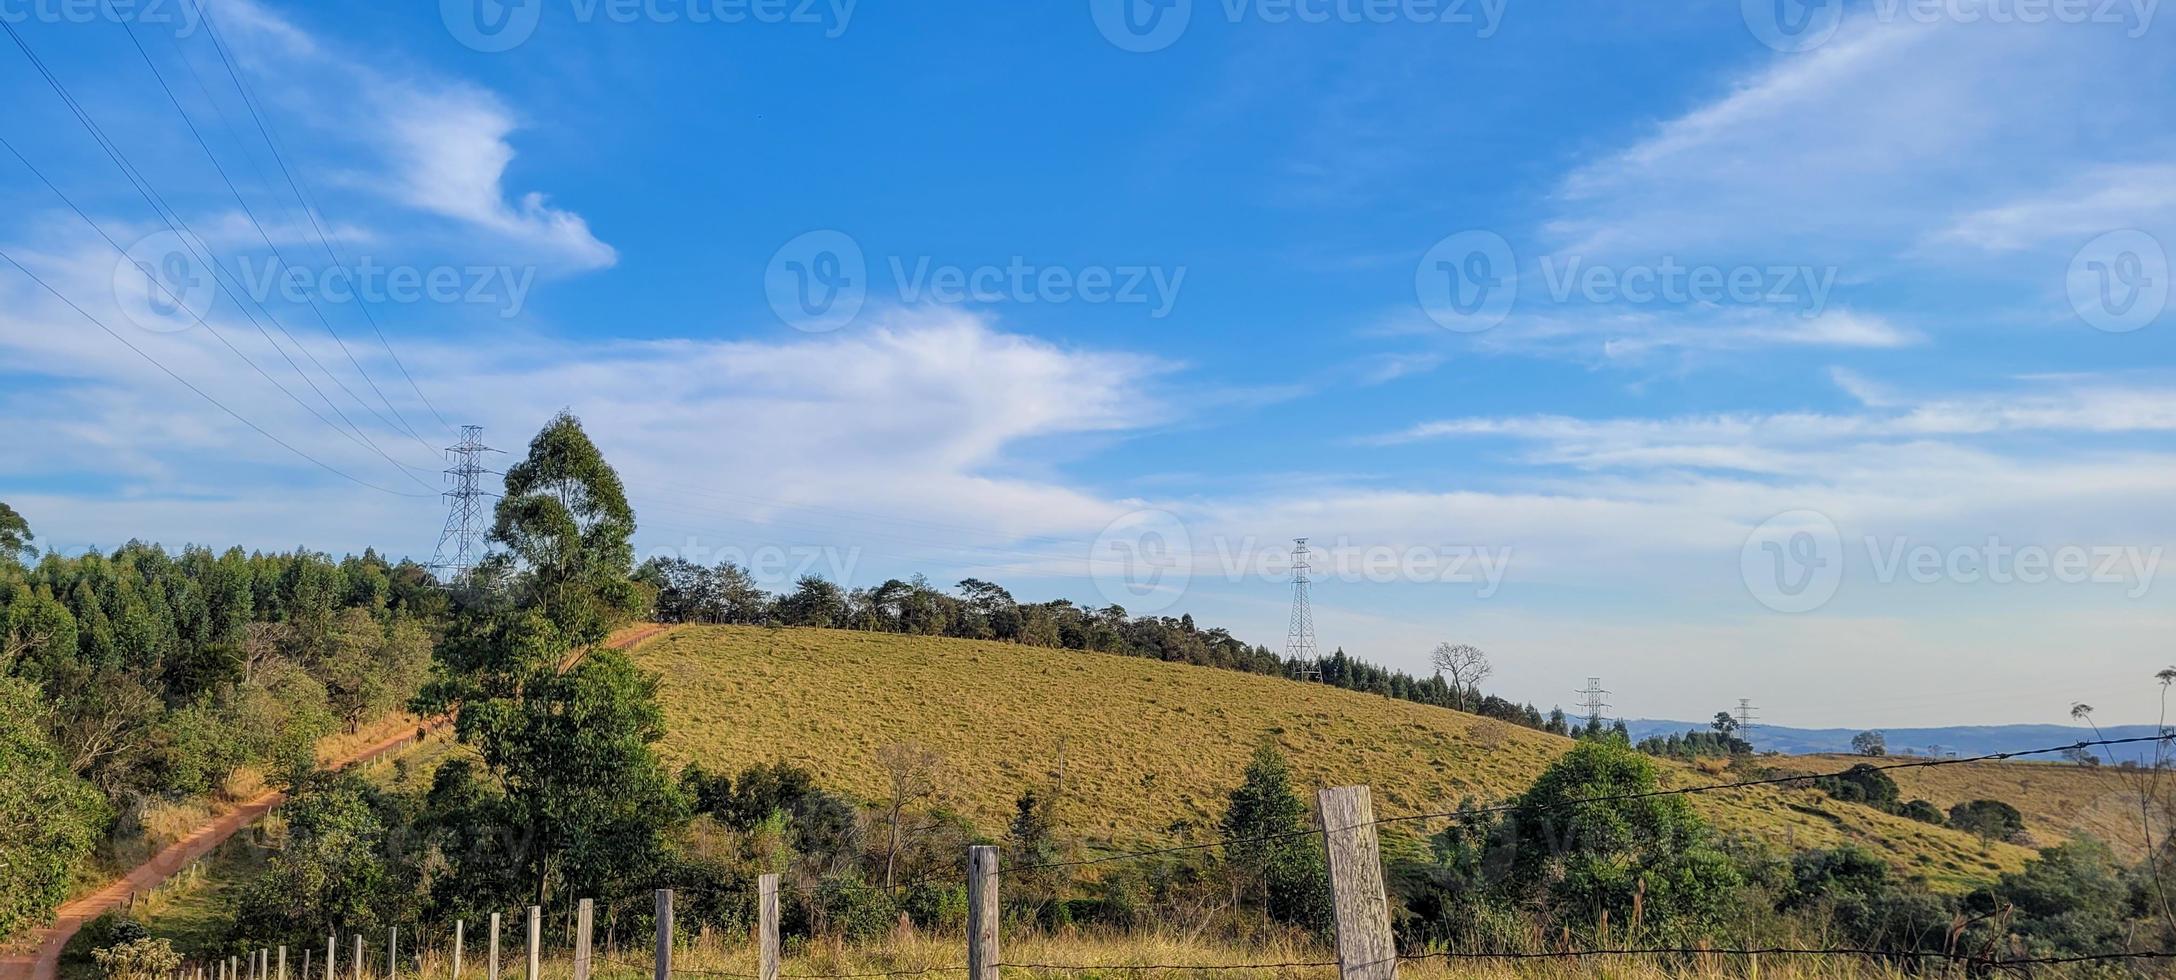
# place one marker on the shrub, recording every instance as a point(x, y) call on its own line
point(137, 959)
point(1991, 819)
point(1922, 811)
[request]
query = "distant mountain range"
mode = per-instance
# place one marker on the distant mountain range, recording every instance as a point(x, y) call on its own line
point(1961, 739)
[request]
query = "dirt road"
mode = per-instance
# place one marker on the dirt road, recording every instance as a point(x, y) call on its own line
point(42, 960)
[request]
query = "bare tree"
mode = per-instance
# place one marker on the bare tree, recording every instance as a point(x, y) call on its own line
point(1464, 665)
point(913, 773)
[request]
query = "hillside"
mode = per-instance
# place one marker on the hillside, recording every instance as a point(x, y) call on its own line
point(2057, 800)
point(1149, 749)
point(1957, 739)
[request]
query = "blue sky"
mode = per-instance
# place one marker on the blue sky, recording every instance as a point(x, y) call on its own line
point(1829, 369)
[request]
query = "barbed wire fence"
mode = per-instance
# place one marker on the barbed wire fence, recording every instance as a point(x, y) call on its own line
point(1365, 947)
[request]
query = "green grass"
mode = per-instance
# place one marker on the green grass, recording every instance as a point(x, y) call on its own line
point(1148, 749)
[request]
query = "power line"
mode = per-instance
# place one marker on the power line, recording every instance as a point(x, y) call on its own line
point(162, 287)
point(128, 28)
point(199, 391)
point(308, 206)
point(174, 223)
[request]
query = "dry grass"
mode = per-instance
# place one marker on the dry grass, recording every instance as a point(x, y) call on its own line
point(2058, 800)
point(1132, 956)
point(1149, 749)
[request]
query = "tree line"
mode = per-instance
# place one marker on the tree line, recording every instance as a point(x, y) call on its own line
point(688, 592)
point(134, 677)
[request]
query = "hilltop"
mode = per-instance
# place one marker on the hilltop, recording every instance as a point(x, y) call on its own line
point(1148, 749)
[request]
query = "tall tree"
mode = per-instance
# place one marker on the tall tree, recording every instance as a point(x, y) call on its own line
point(1465, 666)
point(1279, 864)
point(565, 517)
point(15, 536)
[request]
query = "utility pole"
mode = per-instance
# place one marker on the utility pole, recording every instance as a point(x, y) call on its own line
point(1299, 641)
point(1745, 720)
point(1591, 699)
point(461, 543)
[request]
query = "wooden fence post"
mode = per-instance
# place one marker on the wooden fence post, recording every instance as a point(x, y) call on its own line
point(982, 950)
point(767, 927)
point(358, 956)
point(664, 934)
point(460, 930)
point(536, 941)
point(332, 956)
point(584, 916)
point(494, 946)
point(283, 964)
point(1365, 950)
point(392, 952)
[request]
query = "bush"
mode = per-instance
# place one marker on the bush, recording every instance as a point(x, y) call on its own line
point(1861, 783)
point(1582, 859)
point(1922, 811)
point(1991, 819)
point(58, 817)
point(137, 959)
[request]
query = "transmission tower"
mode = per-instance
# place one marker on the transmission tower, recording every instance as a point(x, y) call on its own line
point(461, 544)
point(1591, 699)
point(1299, 641)
point(1745, 720)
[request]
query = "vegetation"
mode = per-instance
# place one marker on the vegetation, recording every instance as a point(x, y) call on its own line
point(686, 592)
point(802, 752)
point(137, 680)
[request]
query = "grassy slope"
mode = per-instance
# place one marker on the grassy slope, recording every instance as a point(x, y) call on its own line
point(2058, 800)
point(1150, 748)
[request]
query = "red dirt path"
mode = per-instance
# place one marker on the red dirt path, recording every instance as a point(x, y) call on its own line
point(39, 956)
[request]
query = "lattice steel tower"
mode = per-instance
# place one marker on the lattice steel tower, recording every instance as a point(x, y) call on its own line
point(1299, 641)
point(1745, 720)
point(1591, 696)
point(461, 544)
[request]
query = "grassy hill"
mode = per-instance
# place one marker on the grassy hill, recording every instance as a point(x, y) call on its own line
point(1149, 749)
point(2057, 800)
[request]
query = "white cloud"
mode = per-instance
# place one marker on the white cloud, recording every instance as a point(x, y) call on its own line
point(2105, 198)
point(445, 145)
point(1856, 150)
